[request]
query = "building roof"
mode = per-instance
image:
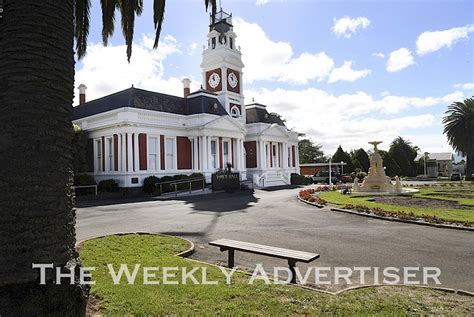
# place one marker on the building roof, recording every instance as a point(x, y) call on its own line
point(447, 156)
point(149, 100)
point(257, 113)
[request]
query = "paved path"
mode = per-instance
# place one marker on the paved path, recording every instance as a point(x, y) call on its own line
point(276, 218)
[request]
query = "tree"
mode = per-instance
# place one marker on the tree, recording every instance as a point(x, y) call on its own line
point(310, 152)
point(459, 127)
point(391, 167)
point(404, 153)
point(36, 94)
point(342, 156)
point(361, 156)
point(80, 142)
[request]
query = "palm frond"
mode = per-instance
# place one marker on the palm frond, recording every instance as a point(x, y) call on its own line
point(127, 11)
point(81, 25)
point(108, 19)
point(459, 124)
point(158, 16)
point(213, 4)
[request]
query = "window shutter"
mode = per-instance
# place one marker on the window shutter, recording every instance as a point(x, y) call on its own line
point(115, 152)
point(142, 151)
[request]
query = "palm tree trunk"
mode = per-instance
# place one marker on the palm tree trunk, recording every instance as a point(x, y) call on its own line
point(36, 209)
point(470, 165)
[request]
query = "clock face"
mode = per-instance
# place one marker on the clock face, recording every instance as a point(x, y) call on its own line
point(233, 81)
point(214, 80)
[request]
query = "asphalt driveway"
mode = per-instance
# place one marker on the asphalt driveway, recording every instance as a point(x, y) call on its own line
point(276, 218)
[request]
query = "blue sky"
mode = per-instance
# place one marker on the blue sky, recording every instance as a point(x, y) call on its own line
point(343, 72)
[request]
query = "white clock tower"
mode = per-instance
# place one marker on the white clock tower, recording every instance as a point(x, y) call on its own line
point(222, 66)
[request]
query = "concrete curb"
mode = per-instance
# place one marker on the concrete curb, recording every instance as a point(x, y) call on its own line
point(416, 222)
point(309, 203)
point(182, 254)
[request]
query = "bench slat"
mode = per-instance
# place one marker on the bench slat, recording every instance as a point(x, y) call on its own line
point(300, 256)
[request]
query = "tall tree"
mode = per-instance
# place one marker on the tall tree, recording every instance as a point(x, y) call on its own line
point(361, 156)
point(391, 167)
point(36, 93)
point(310, 152)
point(404, 153)
point(459, 129)
point(341, 156)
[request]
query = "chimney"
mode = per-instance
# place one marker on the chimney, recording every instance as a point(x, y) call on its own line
point(186, 87)
point(82, 93)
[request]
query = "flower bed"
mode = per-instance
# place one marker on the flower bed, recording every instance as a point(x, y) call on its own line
point(308, 195)
point(405, 215)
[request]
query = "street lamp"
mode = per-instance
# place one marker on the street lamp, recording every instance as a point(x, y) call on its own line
point(342, 168)
point(330, 179)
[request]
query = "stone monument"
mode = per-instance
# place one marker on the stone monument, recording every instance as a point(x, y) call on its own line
point(376, 181)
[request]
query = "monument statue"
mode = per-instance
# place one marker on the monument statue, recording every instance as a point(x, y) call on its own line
point(376, 181)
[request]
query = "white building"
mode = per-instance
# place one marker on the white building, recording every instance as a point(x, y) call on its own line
point(136, 133)
point(438, 164)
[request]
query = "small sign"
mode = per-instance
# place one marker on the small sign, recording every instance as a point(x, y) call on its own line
point(229, 182)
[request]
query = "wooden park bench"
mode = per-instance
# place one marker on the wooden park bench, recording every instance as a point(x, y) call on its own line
point(291, 255)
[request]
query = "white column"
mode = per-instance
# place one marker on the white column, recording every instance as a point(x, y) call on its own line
point(238, 151)
point(204, 154)
point(136, 153)
point(242, 155)
point(122, 153)
point(262, 155)
point(208, 154)
point(297, 156)
point(129, 152)
point(195, 154)
point(285, 155)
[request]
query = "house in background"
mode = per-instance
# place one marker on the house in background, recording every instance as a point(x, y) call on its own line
point(135, 133)
point(438, 164)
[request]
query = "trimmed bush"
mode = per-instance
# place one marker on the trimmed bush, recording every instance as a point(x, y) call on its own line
point(83, 180)
point(149, 184)
point(108, 185)
point(297, 179)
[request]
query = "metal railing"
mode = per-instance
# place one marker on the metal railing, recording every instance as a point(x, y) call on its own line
point(176, 183)
point(86, 186)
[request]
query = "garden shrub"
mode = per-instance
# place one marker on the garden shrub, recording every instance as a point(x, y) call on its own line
point(297, 179)
point(84, 180)
point(108, 185)
point(149, 184)
point(359, 174)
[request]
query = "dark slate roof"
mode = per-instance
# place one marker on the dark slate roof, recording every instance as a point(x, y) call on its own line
point(144, 99)
point(256, 115)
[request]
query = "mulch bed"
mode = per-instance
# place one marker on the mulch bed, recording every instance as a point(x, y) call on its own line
point(419, 202)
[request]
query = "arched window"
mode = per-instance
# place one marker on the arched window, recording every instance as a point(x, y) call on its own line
point(235, 112)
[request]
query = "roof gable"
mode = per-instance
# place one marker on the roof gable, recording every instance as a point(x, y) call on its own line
point(261, 115)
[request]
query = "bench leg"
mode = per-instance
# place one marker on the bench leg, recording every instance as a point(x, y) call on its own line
point(291, 265)
point(230, 260)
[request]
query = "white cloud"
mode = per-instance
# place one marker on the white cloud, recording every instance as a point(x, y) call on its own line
point(380, 55)
point(261, 2)
point(351, 120)
point(346, 26)
point(105, 70)
point(431, 41)
point(399, 60)
point(466, 86)
point(346, 73)
point(192, 48)
point(265, 59)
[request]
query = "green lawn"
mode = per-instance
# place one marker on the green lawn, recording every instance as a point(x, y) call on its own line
point(364, 200)
point(239, 298)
